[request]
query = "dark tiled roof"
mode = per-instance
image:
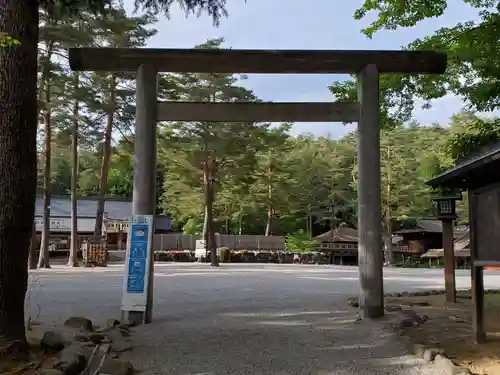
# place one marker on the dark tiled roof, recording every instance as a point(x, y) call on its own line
point(341, 234)
point(87, 207)
point(117, 209)
point(424, 225)
point(433, 226)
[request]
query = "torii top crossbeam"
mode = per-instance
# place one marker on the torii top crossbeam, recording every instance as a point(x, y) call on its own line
point(256, 61)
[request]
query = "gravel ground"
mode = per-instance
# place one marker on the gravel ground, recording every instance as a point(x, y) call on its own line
point(252, 319)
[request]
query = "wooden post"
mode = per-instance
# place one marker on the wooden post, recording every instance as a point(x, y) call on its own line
point(478, 302)
point(371, 298)
point(449, 261)
point(477, 281)
point(144, 190)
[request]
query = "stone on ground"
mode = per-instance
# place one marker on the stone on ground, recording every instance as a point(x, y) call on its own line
point(78, 322)
point(116, 367)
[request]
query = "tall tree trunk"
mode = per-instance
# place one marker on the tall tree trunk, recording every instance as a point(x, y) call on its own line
point(73, 248)
point(240, 223)
point(333, 221)
point(18, 127)
point(309, 221)
point(106, 155)
point(388, 219)
point(209, 198)
point(43, 258)
point(269, 194)
point(269, 210)
point(32, 259)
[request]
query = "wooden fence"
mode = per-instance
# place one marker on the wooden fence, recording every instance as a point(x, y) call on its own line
point(178, 241)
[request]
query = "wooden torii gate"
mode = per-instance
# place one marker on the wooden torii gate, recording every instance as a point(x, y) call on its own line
point(367, 65)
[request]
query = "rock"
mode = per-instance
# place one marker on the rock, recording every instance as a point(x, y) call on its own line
point(411, 319)
point(353, 302)
point(96, 338)
point(52, 340)
point(414, 316)
point(112, 323)
point(407, 322)
point(430, 354)
point(73, 359)
point(116, 367)
point(392, 295)
point(78, 322)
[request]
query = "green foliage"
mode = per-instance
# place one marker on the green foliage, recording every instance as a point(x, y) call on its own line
point(473, 57)
point(192, 226)
point(475, 134)
point(300, 242)
point(7, 41)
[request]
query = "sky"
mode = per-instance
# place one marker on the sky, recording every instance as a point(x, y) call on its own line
point(296, 24)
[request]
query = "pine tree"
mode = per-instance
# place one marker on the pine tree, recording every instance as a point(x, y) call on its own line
point(115, 93)
point(215, 150)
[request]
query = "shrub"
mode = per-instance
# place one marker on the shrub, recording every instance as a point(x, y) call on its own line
point(300, 242)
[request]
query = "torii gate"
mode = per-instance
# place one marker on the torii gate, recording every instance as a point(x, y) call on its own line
point(366, 64)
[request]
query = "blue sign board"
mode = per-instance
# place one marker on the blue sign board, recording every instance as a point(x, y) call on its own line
point(138, 257)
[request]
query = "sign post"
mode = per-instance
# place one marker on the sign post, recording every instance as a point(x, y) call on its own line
point(137, 267)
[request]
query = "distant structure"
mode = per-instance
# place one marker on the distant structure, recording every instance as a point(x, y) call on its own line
point(426, 234)
point(117, 212)
point(341, 244)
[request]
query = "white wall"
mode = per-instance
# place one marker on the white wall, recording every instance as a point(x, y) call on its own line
point(63, 224)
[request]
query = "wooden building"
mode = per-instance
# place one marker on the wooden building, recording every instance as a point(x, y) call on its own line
point(461, 249)
point(341, 244)
point(117, 212)
point(427, 234)
point(478, 175)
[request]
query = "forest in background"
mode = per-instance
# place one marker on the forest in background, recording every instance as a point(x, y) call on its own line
point(254, 178)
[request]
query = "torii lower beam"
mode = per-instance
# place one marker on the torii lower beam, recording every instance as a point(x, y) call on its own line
point(258, 112)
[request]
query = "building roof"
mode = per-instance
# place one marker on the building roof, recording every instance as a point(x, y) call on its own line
point(439, 253)
point(341, 234)
point(60, 206)
point(478, 169)
point(434, 226)
point(424, 225)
